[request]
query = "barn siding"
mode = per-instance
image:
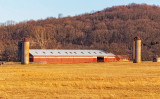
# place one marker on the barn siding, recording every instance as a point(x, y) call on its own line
point(63, 59)
point(110, 59)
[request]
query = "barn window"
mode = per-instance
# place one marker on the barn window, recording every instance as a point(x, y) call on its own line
point(75, 53)
point(89, 52)
point(95, 53)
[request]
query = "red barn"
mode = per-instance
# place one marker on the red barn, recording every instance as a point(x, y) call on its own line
point(70, 56)
point(122, 58)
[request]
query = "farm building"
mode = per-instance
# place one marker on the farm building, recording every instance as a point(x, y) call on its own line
point(156, 59)
point(26, 55)
point(70, 56)
point(122, 58)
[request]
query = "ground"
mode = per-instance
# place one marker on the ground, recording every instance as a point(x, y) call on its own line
point(80, 81)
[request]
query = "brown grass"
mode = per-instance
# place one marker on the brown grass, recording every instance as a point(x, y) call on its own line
point(80, 81)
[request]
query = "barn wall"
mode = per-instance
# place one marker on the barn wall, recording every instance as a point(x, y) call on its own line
point(122, 58)
point(63, 59)
point(110, 59)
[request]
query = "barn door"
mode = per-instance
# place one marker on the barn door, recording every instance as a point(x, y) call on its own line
point(100, 59)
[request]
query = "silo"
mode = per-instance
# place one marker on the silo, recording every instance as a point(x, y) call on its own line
point(25, 51)
point(137, 50)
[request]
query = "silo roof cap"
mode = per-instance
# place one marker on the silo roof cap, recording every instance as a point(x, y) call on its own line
point(25, 39)
point(137, 38)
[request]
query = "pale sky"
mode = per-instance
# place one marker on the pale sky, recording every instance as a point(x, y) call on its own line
point(24, 10)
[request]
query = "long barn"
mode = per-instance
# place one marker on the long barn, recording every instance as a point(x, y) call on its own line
point(70, 56)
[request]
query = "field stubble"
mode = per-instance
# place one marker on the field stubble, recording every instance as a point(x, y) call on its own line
point(85, 80)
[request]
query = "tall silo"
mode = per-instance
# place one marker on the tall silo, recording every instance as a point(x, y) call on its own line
point(137, 50)
point(25, 51)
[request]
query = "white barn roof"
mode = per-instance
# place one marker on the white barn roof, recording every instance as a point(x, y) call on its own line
point(50, 52)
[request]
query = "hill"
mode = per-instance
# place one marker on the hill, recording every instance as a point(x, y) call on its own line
point(111, 29)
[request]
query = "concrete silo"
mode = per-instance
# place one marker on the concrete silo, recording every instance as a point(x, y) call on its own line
point(137, 50)
point(25, 51)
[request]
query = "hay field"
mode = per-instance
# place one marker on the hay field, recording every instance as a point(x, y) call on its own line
point(80, 81)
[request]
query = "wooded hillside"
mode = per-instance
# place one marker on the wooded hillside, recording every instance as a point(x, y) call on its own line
point(112, 30)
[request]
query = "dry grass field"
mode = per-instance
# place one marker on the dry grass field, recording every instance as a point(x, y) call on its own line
point(80, 81)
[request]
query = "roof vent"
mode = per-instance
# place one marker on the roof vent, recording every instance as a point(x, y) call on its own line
point(59, 52)
point(66, 52)
point(36, 52)
point(82, 52)
point(100, 52)
point(44, 52)
point(70, 52)
point(51, 52)
point(75, 53)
